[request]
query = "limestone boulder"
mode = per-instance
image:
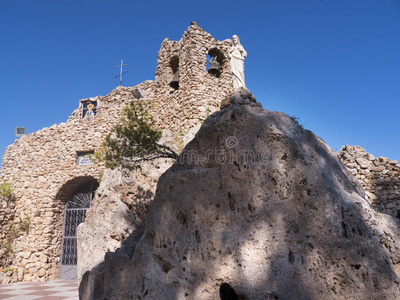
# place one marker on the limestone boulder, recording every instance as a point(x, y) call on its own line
point(120, 206)
point(256, 207)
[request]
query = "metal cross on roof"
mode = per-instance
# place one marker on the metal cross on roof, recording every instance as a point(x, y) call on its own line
point(120, 73)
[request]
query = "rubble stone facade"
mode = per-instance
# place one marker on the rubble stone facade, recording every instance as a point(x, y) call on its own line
point(380, 178)
point(42, 166)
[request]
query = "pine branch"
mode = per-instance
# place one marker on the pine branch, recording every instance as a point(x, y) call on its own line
point(135, 139)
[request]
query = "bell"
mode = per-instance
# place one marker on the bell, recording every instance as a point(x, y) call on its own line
point(175, 80)
point(214, 68)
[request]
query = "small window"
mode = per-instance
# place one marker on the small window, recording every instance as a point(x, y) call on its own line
point(89, 110)
point(85, 158)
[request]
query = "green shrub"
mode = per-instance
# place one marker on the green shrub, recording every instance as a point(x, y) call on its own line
point(24, 224)
point(6, 189)
point(100, 177)
point(12, 231)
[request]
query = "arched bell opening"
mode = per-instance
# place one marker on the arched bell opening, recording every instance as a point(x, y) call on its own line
point(174, 66)
point(81, 192)
point(215, 62)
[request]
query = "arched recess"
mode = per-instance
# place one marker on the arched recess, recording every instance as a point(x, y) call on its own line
point(219, 57)
point(68, 188)
point(77, 194)
point(174, 67)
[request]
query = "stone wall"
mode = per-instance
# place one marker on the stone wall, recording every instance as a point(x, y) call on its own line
point(42, 166)
point(380, 177)
point(43, 169)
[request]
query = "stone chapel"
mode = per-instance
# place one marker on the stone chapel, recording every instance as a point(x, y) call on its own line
point(51, 170)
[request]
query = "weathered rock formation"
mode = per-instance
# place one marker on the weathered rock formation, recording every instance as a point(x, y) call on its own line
point(258, 208)
point(121, 202)
point(120, 205)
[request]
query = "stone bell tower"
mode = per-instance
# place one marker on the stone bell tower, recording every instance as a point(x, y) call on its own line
point(198, 92)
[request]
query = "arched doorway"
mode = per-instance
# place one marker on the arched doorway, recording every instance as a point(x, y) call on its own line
point(75, 213)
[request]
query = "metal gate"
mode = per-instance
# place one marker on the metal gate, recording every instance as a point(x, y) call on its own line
point(75, 213)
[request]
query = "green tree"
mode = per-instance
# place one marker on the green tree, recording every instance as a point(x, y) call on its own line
point(134, 139)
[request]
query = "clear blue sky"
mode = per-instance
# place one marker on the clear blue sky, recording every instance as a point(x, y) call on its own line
point(335, 64)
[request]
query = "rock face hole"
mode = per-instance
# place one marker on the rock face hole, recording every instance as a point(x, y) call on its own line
point(226, 292)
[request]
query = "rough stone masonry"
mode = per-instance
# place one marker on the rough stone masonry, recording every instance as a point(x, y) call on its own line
point(380, 178)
